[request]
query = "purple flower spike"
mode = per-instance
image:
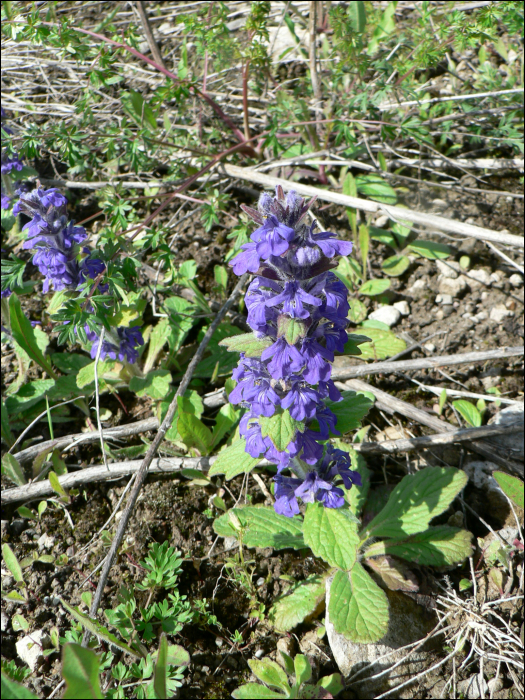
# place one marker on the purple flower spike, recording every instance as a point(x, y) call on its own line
point(119, 343)
point(300, 308)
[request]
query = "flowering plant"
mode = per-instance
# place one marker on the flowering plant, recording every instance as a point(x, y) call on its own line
point(298, 309)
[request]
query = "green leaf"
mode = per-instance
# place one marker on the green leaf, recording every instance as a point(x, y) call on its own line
point(430, 249)
point(56, 485)
point(175, 656)
point(271, 673)
point(357, 16)
point(28, 395)
point(350, 411)
point(181, 321)
point(12, 469)
point(511, 487)
point(401, 230)
point(161, 669)
point(374, 287)
point(332, 684)
point(358, 608)
point(384, 27)
point(396, 265)
point(416, 500)
point(80, 668)
point(7, 435)
point(354, 340)
point(364, 243)
point(350, 189)
point(280, 428)
point(101, 632)
point(293, 329)
point(221, 277)
point(379, 234)
point(217, 352)
point(246, 343)
point(382, 344)
point(16, 691)
point(157, 339)
point(106, 371)
point(256, 691)
point(155, 384)
point(24, 512)
point(303, 670)
point(331, 533)
point(469, 412)
point(70, 363)
point(12, 564)
point(262, 527)
point(437, 546)
point(25, 336)
point(224, 422)
point(234, 460)
point(376, 188)
point(358, 311)
point(193, 432)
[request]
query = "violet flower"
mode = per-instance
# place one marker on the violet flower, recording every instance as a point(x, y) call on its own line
point(297, 304)
point(118, 344)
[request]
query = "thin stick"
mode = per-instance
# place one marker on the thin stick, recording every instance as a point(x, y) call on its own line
point(141, 9)
point(344, 370)
point(502, 255)
point(97, 396)
point(416, 217)
point(143, 471)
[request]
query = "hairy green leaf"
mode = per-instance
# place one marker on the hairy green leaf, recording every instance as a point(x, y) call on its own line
point(331, 533)
point(271, 673)
point(303, 601)
point(430, 249)
point(437, 546)
point(12, 469)
point(350, 411)
point(415, 501)
point(511, 486)
point(280, 428)
point(155, 384)
point(25, 336)
point(357, 607)
point(247, 343)
point(234, 460)
point(395, 265)
point(469, 412)
point(374, 287)
point(80, 668)
point(383, 344)
point(16, 691)
point(263, 527)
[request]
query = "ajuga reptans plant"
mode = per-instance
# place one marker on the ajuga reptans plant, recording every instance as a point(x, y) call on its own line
point(297, 308)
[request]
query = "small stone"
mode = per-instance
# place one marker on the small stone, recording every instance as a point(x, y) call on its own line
point(444, 299)
point(454, 287)
point(30, 648)
point(474, 687)
point(484, 296)
point(514, 442)
point(259, 653)
point(402, 307)
point(496, 277)
point(45, 541)
point(287, 646)
point(219, 642)
point(516, 281)
point(482, 316)
point(386, 314)
point(4, 622)
point(448, 269)
point(439, 204)
point(500, 312)
point(430, 347)
point(494, 686)
point(476, 278)
point(381, 221)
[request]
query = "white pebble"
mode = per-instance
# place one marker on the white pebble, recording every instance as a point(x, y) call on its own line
point(30, 647)
point(402, 307)
point(386, 314)
point(516, 280)
point(499, 312)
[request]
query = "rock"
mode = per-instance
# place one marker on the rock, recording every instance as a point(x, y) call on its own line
point(473, 687)
point(495, 685)
point(454, 287)
point(499, 312)
point(407, 624)
point(402, 307)
point(286, 645)
point(45, 541)
point(386, 314)
point(309, 646)
point(5, 622)
point(516, 281)
point(444, 299)
point(481, 316)
point(430, 347)
point(477, 278)
point(514, 442)
point(418, 287)
point(448, 269)
point(30, 648)
point(439, 204)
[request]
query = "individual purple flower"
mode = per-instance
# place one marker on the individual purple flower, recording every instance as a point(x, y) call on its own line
point(285, 498)
point(250, 429)
point(292, 299)
point(317, 360)
point(272, 238)
point(247, 261)
point(91, 268)
point(120, 343)
point(285, 359)
point(11, 162)
point(301, 400)
point(6, 293)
